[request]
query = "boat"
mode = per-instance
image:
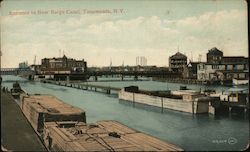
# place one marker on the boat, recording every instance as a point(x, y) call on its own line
point(233, 95)
point(190, 101)
point(62, 127)
point(16, 90)
point(240, 81)
point(233, 98)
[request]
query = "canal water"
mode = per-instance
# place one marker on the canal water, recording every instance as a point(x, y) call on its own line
point(192, 133)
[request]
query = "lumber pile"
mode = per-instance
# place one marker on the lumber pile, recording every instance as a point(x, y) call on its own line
point(102, 136)
point(40, 109)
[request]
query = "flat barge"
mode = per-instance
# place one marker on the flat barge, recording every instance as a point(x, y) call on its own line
point(101, 136)
point(189, 101)
point(62, 127)
point(40, 109)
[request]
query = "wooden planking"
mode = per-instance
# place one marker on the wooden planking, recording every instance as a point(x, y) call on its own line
point(92, 146)
point(46, 102)
point(114, 126)
point(150, 143)
point(77, 147)
point(134, 148)
point(63, 142)
point(68, 134)
point(59, 133)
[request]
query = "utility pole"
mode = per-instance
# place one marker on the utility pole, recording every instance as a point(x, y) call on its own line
point(0, 65)
point(110, 65)
point(199, 58)
point(35, 60)
point(0, 71)
point(191, 56)
point(59, 52)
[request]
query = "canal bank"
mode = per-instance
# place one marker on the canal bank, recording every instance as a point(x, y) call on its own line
point(16, 132)
point(178, 80)
point(201, 132)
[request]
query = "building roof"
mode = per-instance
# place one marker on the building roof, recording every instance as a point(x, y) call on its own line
point(64, 56)
point(215, 51)
point(234, 59)
point(178, 55)
point(195, 62)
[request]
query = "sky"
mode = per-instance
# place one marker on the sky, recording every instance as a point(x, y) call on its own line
point(120, 30)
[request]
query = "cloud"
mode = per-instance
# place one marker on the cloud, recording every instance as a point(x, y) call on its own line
point(97, 38)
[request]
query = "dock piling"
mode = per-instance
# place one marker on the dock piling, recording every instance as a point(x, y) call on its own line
point(161, 105)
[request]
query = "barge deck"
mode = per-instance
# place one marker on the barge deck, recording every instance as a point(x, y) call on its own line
point(101, 136)
point(189, 101)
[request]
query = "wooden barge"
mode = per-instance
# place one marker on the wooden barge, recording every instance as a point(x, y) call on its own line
point(62, 127)
point(39, 109)
point(189, 101)
point(101, 136)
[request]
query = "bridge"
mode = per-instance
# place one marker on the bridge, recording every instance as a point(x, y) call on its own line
point(136, 74)
point(16, 71)
point(95, 74)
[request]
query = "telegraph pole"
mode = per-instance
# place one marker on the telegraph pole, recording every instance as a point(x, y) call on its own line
point(0, 68)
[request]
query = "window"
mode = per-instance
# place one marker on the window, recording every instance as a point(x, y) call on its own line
point(229, 67)
point(241, 75)
point(201, 66)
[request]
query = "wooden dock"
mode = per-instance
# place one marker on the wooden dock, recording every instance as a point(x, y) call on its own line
point(178, 80)
point(84, 86)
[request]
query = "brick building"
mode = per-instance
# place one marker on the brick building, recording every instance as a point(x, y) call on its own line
point(214, 55)
point(62, 65)
point(177, 62)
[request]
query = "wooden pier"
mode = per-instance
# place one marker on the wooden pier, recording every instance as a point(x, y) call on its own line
point(84, 86)
point(178, 80)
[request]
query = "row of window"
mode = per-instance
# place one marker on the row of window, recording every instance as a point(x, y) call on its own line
point(222, 67)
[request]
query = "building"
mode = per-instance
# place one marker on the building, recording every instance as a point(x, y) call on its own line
point(207, 72)
point(193, 69)
point(222, 68)
point(62, 65)
point(177, 62)
point(23, 65)
point(214, 55)
point(221, 72)
point(141, 61)
point(236, 60)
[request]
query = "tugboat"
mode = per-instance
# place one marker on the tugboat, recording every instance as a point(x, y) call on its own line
point(16, 90)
